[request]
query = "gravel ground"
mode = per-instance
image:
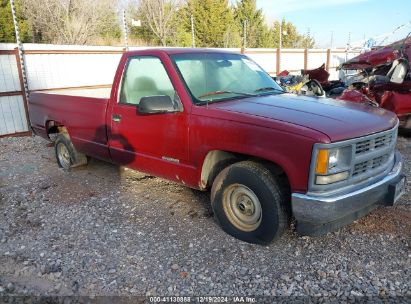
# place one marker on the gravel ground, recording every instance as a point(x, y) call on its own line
point(103, 230)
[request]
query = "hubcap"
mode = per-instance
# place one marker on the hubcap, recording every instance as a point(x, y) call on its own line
point(242, 207)
point(63, 156)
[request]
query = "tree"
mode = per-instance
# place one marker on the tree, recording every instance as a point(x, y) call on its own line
point(232, 36)
point(159, 16)
point(290, 36)
point(142, 34)
point(182, 35)
point(258, 34)
point(212, 21)
point(7, 26)
point(73, 21)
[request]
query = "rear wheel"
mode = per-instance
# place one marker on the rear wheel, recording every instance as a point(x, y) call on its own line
point(66, 155)
point(249, 203)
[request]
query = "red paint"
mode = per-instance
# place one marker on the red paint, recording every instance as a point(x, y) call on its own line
point(379, 56)
point(397, 102)
point(391, 96)
point(283, 73)
point(278, 128)
point(319, 74)
point(354, 96)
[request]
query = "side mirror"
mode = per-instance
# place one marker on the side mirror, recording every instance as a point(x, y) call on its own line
point(156, 105)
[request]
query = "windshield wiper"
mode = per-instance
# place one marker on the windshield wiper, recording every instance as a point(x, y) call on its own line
point(213, 93)
point(269, 89)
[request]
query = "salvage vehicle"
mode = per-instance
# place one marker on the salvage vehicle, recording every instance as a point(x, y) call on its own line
point(310, 83)
point(215, 120)
point(383, 79)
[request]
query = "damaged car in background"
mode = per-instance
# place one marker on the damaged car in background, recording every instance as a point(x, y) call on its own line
point(380, 77)
point(383, 79)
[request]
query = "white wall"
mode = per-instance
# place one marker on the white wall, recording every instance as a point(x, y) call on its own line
point(60, 68)
point(12, 112)
point(45, 71)
point(12, 115)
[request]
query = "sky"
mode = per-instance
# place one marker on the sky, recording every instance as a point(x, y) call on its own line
point(340, 19)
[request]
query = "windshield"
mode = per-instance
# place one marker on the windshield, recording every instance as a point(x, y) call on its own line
point(214, 77)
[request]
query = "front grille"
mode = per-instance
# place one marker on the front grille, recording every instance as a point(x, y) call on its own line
point(365, 146)
point(379, 161)
point(372, 153)
point(374, 163)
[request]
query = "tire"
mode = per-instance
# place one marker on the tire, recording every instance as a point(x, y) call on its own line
point(66, 155)
point(249, 203)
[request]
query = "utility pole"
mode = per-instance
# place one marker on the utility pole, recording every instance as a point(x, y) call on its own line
point(348, 46)
point(332, 40)
point(245, 34)
point(193, 44)
point(20, 49)
point(308, 37)
point(125, 30)
point(281, 34)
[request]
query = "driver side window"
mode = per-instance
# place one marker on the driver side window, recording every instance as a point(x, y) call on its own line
point(145, 76)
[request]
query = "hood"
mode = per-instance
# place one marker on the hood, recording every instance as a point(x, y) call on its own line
point(380, 56)
point(339, 120)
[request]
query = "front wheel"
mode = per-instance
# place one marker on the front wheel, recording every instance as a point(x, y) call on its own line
point(249, 203)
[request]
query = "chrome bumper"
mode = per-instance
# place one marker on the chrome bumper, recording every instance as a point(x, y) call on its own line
point(317, 215)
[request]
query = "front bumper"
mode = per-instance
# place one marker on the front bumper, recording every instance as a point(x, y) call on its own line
point(317, 215)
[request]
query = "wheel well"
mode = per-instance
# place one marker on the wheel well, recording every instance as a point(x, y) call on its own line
point(217, 160)
point(53, 128)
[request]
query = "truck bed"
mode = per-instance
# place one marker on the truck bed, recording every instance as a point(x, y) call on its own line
point(82, 92)
point(82, 111)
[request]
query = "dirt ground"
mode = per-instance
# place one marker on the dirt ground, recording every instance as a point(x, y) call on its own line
point(105, 230)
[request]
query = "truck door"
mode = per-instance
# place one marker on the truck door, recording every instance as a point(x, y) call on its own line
point(153, 143)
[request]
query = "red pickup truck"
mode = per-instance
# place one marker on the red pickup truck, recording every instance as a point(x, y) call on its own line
point(213, 119)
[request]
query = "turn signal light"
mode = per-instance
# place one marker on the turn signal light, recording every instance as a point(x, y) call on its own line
point(322, 161)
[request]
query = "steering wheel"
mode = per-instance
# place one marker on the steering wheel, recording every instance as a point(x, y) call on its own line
point(315, 87)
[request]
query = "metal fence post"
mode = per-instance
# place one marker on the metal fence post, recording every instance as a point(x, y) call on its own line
point(277, 70)
point(327, 64)
point(22, 86)
point(21, 67)
point(21, 62)
point(125, 30)
point(305, 59)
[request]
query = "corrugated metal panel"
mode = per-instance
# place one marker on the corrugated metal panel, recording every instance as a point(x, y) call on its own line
point(47, 71)
point(9, 76)
point(12, 115)
point(12, 112)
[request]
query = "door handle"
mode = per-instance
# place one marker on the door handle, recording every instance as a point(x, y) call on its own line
point(116, 117)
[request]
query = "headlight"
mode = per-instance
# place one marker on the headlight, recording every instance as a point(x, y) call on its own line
point(332, 165)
